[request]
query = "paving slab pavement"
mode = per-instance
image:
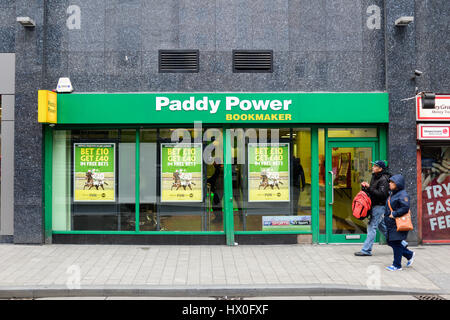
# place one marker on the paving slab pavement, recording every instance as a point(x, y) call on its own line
point(276, 270)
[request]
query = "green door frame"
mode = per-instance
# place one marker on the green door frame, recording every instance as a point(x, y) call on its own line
point(329, 237)
point(228, 187)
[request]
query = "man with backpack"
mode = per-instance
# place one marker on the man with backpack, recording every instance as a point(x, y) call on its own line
point(378, 191)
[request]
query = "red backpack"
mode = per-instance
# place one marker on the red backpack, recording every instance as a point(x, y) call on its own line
point(361, 205)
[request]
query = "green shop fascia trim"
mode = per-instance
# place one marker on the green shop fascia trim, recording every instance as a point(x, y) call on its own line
point(141, 232)
point(222, 108)
point(47, 183)
point(178, 232)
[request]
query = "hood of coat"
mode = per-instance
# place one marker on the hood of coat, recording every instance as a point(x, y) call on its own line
point(399, 182)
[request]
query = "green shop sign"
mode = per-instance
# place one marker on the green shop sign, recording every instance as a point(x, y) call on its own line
point(276, 107)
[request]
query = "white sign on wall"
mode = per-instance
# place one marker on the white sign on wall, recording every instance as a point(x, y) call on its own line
point(433, 132)
point(440, 112)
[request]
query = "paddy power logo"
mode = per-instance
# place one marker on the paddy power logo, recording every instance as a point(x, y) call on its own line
point(230, 104)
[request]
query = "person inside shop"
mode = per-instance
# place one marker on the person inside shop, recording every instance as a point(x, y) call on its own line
point(378, 191)
point(216, 183)
point(299, 182)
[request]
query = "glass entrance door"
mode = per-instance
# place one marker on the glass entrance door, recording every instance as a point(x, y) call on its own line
point(347, 165)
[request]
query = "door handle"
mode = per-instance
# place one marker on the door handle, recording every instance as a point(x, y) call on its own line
point(332, 186)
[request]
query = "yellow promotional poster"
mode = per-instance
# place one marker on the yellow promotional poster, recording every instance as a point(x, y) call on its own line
point(47, 106)
point(181, 172)
point(268, 172)
point(94, 172)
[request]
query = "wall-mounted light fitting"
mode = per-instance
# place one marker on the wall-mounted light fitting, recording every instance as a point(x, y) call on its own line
point(428, 100)
point(26, 22)
point(404, 21)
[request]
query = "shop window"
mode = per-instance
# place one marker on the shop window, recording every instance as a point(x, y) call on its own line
point(93, 180)
point(181, 179)
point(191, 180)
point(271, 179)
point(352, 133)
point(435, 192)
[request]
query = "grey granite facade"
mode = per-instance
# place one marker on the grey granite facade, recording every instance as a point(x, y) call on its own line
point(7, 25)
point(116, 47)
point(29, 48)
point(400, 83)
point(433, 45)
point(320, 45)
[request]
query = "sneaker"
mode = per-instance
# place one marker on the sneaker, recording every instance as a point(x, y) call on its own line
point(362, 254)
point(405, 244)
point(393, 268)
point(410, 261)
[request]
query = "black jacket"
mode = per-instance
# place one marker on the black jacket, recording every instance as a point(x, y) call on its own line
point(379, 188)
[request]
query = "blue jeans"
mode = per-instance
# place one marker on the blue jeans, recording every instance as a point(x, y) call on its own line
point(376, 222)
point(399, 252)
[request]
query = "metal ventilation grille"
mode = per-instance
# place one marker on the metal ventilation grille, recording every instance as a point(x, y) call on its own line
point(252, 61)
point(178, 61)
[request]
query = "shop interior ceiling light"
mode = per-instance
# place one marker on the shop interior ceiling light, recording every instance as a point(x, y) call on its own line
point(64, 85)
point(26, 22)
point(404, 21)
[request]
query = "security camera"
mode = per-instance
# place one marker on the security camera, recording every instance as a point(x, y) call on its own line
point(27, 22)
point(404, 21)
point(418, 73)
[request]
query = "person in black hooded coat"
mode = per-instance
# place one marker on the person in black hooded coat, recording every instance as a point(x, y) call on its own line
point(399, 201)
